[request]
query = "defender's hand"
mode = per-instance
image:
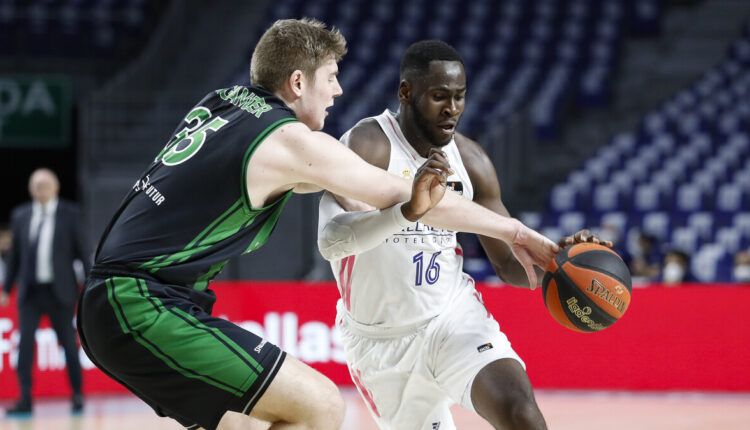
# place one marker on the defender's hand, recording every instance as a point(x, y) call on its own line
point(584, 236)
point(532, 249)
point(429, 186)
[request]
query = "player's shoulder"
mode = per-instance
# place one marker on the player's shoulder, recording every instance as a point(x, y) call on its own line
point(291, 132)
point(471, 151)
point(368, 128)
point(366, 133)
point(368, 140)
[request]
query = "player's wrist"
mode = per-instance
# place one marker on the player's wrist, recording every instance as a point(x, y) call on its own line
point(510, 231)
point(519, 232)
point(409, 213)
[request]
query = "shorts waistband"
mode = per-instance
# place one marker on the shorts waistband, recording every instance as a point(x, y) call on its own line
point(103, 271)
point(374, 331)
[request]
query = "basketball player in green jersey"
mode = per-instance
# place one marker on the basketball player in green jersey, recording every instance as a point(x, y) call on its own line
point(216, 191)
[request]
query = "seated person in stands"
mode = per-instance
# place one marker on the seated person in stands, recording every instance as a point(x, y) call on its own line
point(741, 271)
point(676, 269)
point(644, 260)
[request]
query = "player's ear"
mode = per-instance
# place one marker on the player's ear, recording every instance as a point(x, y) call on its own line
point(296, 82)
point(404, 91)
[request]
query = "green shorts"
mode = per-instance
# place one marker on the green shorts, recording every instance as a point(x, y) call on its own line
point(161, 342)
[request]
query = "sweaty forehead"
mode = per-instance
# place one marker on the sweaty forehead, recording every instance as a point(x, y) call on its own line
point(449, 74)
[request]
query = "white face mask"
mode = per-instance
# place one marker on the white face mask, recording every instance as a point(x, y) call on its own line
point(673, 273)
point(742, 273)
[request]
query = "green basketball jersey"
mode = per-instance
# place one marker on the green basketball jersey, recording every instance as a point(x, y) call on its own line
point(189, 213)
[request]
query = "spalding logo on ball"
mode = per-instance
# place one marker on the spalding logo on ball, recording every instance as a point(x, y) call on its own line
point(587, 287)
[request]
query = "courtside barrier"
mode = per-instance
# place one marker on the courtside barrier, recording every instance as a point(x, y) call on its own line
point(692, 337)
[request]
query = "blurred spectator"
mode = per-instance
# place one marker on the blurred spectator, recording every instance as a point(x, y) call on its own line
point(741, 272)
point(5, 244)
point(644, 259)
point(47, 238)
point(611, 232)
point(676, 268)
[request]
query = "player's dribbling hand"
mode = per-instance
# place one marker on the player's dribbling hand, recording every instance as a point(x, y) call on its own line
point(429, 185)
point(532, 249)
point(584, 236)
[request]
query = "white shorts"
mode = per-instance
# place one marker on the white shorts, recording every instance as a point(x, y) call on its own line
point(410, 377)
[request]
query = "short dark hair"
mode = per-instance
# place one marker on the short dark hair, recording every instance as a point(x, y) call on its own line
point(417, 58)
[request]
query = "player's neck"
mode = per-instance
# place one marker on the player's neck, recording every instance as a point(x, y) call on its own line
point(412, 134)
point(287, 98)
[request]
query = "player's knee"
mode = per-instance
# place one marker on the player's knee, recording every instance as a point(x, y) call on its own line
point(518, 410)
point(525, 413)
point(331, 409)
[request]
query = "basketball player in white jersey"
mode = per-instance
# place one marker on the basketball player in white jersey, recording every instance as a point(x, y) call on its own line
point(416, 333)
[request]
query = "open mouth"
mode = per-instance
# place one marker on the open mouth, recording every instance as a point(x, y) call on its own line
point(447, 128)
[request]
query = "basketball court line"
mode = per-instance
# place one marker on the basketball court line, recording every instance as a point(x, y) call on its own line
point(564, 410)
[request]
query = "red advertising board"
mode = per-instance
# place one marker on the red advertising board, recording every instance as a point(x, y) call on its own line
point(686, 338)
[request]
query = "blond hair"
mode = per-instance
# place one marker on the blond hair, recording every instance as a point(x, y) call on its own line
point(293, 44)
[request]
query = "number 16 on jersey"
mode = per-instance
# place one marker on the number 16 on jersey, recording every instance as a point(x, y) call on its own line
point(431, 274)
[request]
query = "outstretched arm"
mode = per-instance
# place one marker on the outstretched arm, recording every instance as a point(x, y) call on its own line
point(487, 194)
point(301, 156)
point(342, 233)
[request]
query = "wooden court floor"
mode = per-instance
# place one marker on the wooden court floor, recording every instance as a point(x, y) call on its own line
point(564, 410)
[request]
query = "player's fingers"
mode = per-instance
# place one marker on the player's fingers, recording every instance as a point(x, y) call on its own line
point(440, 156)
point(582, 236)
point(607, 243)
point(551, 247)
point(530, 274)
point(438, 152)
point(428, 173)
point(431, 164)
point(438, 165)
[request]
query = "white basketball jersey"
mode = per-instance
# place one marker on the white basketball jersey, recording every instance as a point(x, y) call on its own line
point(412, 276)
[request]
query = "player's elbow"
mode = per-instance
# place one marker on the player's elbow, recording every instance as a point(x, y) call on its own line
point(325, 249)
point(335, 241)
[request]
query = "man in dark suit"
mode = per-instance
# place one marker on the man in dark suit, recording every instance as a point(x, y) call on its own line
point(47, 239)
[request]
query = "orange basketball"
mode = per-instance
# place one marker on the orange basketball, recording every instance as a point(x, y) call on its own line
point(587, 287)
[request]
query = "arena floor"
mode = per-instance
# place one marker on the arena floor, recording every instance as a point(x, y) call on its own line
point(564, 410)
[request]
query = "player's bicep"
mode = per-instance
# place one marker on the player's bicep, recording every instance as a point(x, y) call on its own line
point(323, 161)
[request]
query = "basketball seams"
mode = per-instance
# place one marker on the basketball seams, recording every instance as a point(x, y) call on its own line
point(577, 261)
point(569, 316)
point(582, 248)
point(554, 306)
point(611, 308)
point(603, 272)
point(582, 301)
point(598, 298)
point(561, 257)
